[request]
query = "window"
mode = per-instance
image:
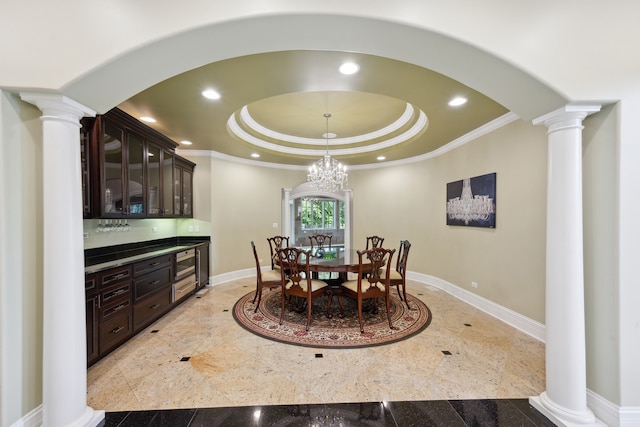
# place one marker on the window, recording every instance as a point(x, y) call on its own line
point(322, 214)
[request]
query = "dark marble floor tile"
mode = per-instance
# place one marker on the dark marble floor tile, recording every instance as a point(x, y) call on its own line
point(113, 419)
point(491, 413)
point(344, 415)
point(435, 413)
point(171, 418)
point(431, 413)
point(531, 413)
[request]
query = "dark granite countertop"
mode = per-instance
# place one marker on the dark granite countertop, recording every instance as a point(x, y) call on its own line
point(99, 259)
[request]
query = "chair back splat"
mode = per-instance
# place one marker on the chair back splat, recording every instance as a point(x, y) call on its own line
point(320, 241)
point(370, 283)
point(374, 242)
point(275, 243)
point(398, 277)
point(298, 282)
point(269, 279)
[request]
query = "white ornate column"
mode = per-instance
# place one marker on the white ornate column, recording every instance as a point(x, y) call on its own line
point(64, 381)
point(286, 213)
point(565, 399)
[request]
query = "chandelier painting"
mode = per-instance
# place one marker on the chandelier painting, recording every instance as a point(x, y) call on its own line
point(472, 201)
point(327, 174)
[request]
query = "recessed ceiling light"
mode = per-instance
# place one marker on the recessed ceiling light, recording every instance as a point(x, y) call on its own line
point(457, 101)
point(255, 155)
point(148, 119)
point(186, 142)
point(329, 135)
point(210, 94)
point(349, 68)
point(381, 158)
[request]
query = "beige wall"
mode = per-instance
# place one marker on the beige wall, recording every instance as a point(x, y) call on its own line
point(408, 202)
point(21, 261)
point(507, 262)
point(600, 254)
point(246, 202)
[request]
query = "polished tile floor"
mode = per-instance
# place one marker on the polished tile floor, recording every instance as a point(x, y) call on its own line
point(196, 360)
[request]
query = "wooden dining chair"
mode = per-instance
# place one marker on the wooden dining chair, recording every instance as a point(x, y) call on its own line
point(374, 242)
point(321, 241)
point(398, 276)
point(268, 279)
point(369, 283)
point(298, 282)
point(275, 243)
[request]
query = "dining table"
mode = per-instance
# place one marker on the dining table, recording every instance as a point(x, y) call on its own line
point(334, 260)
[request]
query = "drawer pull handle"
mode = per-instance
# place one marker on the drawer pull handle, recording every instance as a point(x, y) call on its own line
point(116, 330)
point(153, 264)
point(119, 307)
point(154, 306)
point(119, 291)
point(155, 282)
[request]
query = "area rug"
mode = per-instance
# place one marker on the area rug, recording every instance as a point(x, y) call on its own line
point(334, 332)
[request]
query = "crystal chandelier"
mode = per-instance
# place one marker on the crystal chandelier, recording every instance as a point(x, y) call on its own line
point(470, 207)
point(327, 174)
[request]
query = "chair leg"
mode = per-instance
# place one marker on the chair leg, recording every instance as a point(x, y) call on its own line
point(388, 304)
point(404, 292)
point(282, 298)
point(259, 295)
point(309, 308)
point(256, 295)
point(360, 315)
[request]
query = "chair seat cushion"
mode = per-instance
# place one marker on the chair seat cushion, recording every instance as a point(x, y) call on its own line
point(352, 285)
point(393, 274)
point(315, 285)
point(271, 276)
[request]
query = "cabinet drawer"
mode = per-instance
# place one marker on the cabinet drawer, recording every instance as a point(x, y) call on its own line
point(118, 306)
point(151, 308)
point(120, 290)
point(151, 283)
point(115, 275)
point(90, 283)
point(147, 266)
point(115, 331)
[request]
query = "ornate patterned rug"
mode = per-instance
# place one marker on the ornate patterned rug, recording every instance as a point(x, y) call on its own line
point(334, 332)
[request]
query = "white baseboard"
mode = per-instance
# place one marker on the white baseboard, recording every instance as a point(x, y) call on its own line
point(613, 415)
point(32, 419)
point(510, 317)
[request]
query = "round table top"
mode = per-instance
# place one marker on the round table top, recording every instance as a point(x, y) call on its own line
point(334, 260)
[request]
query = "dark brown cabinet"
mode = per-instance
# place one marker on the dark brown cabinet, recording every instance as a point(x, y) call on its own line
point(123, 300)
point(132, 171)
point(91, 293)
point(151, 289)
point(183, 188)
point(202, 265)
point(115, 320)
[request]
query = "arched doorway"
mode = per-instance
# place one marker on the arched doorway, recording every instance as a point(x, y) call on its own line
point(292, 199)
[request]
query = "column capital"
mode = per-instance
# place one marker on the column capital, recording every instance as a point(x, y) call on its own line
point(570, 113)
point(57, 107)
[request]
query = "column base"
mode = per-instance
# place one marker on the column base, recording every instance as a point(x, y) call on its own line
point(562, 416)
point(90, 418)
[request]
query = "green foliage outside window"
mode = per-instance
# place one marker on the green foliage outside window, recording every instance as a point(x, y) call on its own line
point(321, 214)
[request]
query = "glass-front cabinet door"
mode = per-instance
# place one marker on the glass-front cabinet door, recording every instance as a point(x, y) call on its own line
point(134, 185)
point(112, 161)
point(84, 162)
point(187, 193)
point(154, 183)
point(167, 184)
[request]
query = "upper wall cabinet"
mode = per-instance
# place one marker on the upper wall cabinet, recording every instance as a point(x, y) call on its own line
point(131, 169)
